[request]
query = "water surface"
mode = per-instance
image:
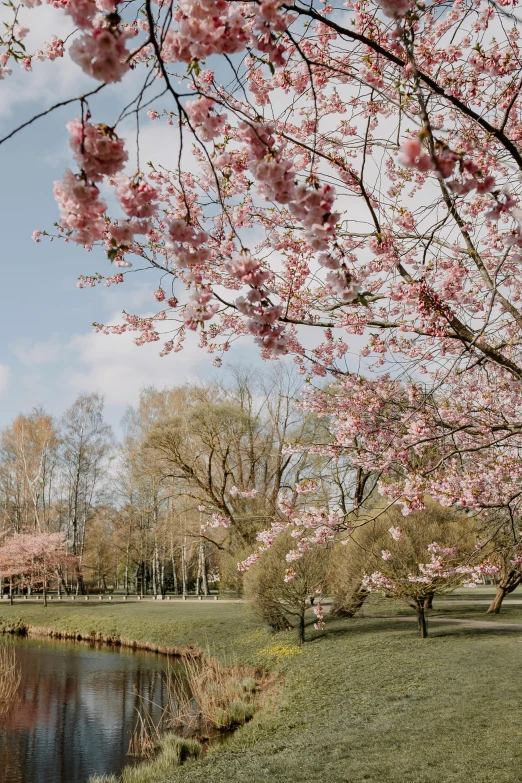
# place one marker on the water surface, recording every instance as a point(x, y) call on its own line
point(76, 710)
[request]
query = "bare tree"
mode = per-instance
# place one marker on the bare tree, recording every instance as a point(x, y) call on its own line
point(223, 447)
point(28, 467)
point(85, 444)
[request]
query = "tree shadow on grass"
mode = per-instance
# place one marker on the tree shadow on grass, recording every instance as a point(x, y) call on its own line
point(358, 627)
point(439, 629)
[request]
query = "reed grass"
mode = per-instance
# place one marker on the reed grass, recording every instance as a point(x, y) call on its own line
point(205, 695)
point(10, 678)
point(173, 751)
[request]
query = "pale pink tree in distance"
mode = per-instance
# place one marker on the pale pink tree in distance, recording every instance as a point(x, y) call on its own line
point(32, 559)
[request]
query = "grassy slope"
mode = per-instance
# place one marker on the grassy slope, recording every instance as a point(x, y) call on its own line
point(366, 701)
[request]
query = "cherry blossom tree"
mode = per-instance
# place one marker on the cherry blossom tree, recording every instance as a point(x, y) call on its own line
point(32, 559)
point(282, 600)
point(347, 193)
point(381, 531)
point(445, 568)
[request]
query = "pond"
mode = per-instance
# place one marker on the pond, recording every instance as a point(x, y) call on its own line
point(75, 710)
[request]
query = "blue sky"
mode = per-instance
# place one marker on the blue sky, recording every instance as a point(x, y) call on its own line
point(50, 353)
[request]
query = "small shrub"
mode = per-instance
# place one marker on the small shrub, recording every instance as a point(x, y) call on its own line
point(221, 718)
point(282, 602)
point(249, 684)
point(239, 712)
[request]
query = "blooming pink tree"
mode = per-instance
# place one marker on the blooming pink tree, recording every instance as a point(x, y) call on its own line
point(445, 569)
point(31, 559)
point(349, 182)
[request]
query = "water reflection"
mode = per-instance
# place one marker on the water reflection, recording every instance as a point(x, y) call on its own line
point(75, 711)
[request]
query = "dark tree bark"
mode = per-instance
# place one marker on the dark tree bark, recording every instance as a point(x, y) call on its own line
point(508, 583)
point(352, 605)
point(301, 629)
point(428, 601)
point(421, 619)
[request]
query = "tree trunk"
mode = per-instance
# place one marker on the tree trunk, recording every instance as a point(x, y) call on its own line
point(421, 620)
point(507, 584)
point(154, 574)
point(162, 577)
point(201, 579)
point(495, 605)
point(428, 601)
point(198, 577)
point(204, 578)
point(174, 575)
point(350, 606)
point(80, 584)
point(301, 629)
point(184, 567)
point(45, 591)
point(126, 577)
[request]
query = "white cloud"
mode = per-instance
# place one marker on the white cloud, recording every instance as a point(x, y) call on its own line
point(4, 377)
point(45, 352)
point(49, 81)
point(116, 367)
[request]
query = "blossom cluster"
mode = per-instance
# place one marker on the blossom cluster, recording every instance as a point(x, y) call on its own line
point(245, 493)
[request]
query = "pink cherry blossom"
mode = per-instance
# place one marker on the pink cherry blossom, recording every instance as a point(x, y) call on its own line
point(137, 198)
point(81, 208)
point(102, 53)
point(97, 149)
point(202, 116)
point(395, 533)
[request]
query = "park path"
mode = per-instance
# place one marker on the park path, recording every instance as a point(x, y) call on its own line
point(487, 624)
point(473, 601)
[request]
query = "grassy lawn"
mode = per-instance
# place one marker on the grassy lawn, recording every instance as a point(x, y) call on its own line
point(450, 606)
point(366, 701)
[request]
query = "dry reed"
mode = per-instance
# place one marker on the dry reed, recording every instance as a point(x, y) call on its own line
point(206, 695)
point(202, 696)
point(10, 677)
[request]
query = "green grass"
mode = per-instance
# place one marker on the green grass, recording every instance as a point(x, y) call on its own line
point(237, 713)
point(220, 628)
point(366, 701)
point(173, 752)
point(447, 606)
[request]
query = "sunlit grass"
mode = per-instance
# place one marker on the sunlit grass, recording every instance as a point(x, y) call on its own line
point(365, 701)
